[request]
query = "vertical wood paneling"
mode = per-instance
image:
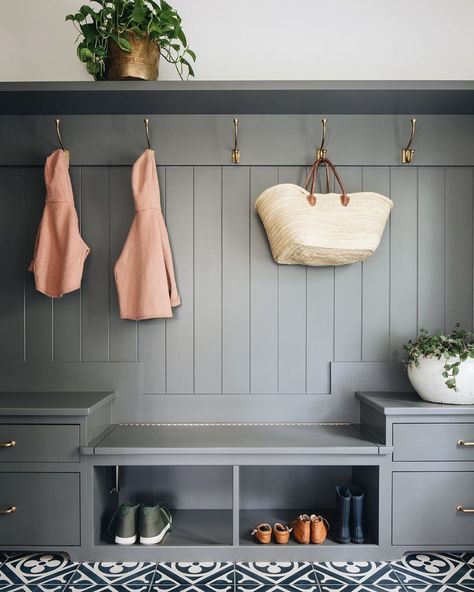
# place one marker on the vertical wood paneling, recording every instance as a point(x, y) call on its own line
point(319, 316)
point(320, 328)
point(12, 263)
point(376, 280)
point(403, 267)
point(292, 303)
point(264, 293)
point(246, 324)
point(96, 280)
point(180, 329)
point(123, 333)
point(348, 291)
point(235, 280)
point(208, 279)
point(67, 310)
point(38, 307)
point(459, 233)
point(152, 332)
point(431, 248)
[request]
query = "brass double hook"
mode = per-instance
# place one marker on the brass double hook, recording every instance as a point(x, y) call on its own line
point(146, 121)
point(408, 152)
point(58, 133)
point(321, 152)
point(235, 150)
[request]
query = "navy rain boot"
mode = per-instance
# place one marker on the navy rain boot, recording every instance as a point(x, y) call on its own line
point(357, 515)
point(343, 507)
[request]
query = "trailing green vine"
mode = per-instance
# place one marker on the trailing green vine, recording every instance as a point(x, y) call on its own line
point(114, 19)
point(454, 348)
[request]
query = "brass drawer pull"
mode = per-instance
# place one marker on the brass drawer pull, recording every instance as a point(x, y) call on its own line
point(464, 443)
point(5, 511)
point(8, 444)
point(465, 510)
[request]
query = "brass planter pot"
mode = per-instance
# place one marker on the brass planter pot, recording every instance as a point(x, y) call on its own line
point(140, 64)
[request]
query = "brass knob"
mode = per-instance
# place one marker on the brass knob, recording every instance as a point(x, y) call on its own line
point(5, 511)
point(465, 510)
point(8, 444)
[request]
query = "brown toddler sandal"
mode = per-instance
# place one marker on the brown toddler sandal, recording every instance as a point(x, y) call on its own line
point(302, 529)
point(319, 529)
point(282, 533)
point(263, 533)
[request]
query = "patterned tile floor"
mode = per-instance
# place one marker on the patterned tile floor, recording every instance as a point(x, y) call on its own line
point(417, 572)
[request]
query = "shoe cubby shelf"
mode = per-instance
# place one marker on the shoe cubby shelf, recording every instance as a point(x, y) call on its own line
point(191, 528)
point(243, 97)
point(218, 493)
point(250, 518)
point(214, 508)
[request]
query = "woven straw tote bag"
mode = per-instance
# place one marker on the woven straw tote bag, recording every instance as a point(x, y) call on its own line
point(306, 228)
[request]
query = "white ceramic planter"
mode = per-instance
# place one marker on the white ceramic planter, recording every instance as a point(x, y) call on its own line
point(428, 382)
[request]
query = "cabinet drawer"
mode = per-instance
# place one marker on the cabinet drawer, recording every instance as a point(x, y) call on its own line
point(425, 508)
point(47, 509)
point(432, 441)
point(39, 443)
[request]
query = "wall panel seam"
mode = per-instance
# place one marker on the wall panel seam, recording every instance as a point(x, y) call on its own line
point(108, 265)
point(222, 278)
point(417, 249)
point(25, 262)
point(250, 275)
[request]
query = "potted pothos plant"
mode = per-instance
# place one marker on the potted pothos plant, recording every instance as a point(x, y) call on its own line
point(123, 39)
point(441, 367)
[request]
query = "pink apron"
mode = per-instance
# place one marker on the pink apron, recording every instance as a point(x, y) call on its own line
point(144, 272)
point(60, 252)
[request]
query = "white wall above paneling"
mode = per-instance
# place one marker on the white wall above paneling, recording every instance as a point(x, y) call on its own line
point(268, 40)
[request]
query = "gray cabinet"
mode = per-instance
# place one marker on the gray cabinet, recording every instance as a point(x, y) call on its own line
point(432, 469)
point(46, 509)
point(425, 508)
point(43, 501)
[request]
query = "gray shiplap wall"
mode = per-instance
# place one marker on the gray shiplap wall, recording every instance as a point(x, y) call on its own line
point(246, 325)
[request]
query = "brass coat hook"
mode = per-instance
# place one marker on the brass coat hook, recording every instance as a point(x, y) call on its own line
point(408, 152)
point(146, 121)
point(321, 152)
point(58, 133)
point(235, 149)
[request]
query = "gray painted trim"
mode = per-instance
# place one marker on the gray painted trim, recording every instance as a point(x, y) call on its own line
point(53, 403)
point(396, 403)
point(237, 97)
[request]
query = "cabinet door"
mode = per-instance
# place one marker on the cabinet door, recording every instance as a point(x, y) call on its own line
point(432, 441)
point(47, 509)
point(424, 508)
point(39, 443)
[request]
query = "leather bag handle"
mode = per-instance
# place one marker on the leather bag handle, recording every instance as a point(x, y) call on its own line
point(312, 176)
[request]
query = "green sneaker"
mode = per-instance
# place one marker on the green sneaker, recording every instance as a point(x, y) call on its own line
point(127, 524)
point(155, 521)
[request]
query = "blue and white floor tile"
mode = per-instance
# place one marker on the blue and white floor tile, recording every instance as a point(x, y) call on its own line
point(127, 575)
point(469, 559)
point(417, 572)
point(32, 588)
point(205, 576)
point(426, 571)
point(45, 571)
point(356, 575)
point(270, 576)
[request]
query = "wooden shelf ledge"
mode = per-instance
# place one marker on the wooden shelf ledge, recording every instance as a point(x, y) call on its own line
point(238, 97)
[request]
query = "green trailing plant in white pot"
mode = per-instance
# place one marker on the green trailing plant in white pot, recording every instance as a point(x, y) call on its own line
point(441, 367)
